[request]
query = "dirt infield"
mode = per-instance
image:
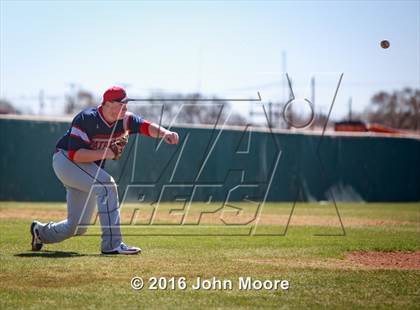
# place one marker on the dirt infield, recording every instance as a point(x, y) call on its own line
point(353, 261)
point(207, 219)
point(386, 260)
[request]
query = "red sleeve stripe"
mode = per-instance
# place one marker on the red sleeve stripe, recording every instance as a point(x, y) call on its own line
point(144, 128)
point(71, 154)
point(78, 127)
point(78, 137)
point(76, 131)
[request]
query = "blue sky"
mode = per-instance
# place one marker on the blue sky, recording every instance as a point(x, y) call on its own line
point(229, 49)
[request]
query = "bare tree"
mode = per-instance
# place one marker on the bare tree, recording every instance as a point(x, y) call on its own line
point(6, 107)
point(163, 107)
point(399, 109)
point(80, 101)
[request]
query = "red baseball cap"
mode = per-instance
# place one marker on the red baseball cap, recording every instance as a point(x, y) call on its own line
point(115, 93)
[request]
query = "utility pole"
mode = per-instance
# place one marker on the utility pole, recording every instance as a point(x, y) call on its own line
point(313, 90)
point(285, 83)
point(199, 69)
point(284, 63)
point(350, 112)
point(41, 101)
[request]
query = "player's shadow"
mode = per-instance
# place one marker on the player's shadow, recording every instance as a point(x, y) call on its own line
point(50, 254)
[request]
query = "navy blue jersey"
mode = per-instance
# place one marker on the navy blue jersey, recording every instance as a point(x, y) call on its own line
point(89, 130)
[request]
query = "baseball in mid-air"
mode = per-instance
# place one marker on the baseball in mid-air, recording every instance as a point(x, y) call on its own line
point(385, 44)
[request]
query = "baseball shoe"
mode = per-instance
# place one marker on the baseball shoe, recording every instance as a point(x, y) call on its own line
point(36, 241)
point(123, 249)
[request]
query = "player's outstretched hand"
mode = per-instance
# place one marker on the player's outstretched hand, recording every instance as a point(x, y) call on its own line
point(171, 137)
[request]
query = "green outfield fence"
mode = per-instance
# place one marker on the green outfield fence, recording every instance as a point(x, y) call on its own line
point(215, 164)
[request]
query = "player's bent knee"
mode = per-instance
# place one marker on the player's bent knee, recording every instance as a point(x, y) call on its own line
point(113, 188)
point(107, 180)
point(106, 186)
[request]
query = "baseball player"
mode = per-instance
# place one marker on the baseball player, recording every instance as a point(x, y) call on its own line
point(95, 135)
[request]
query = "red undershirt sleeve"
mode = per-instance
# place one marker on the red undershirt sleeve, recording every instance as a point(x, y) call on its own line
point(136, 124)
point(144, 128)
point(71, 154)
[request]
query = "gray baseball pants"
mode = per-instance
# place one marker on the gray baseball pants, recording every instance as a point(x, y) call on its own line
point(86, 183)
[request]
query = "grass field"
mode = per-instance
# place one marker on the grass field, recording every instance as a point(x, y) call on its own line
point(319, 268)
